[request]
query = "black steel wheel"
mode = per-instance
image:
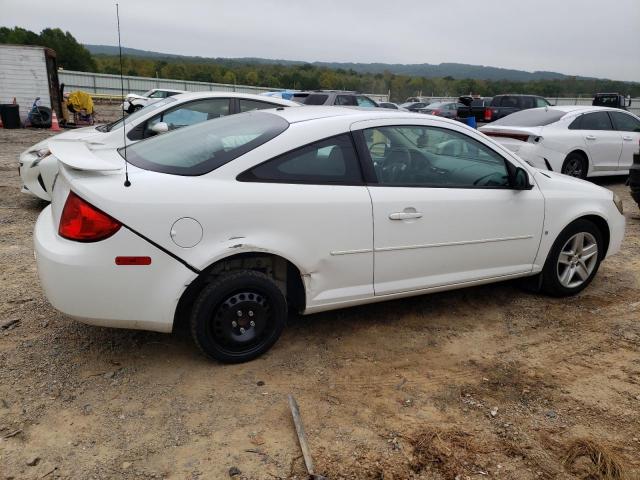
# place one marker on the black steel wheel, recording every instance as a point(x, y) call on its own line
point(238, 316)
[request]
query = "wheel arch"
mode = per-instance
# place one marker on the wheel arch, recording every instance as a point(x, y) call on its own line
point(603, 226)
point(599, 221)
point(583, 153)
point(285, 273)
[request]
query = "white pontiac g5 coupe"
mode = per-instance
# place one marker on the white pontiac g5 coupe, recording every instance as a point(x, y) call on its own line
point(232, 221)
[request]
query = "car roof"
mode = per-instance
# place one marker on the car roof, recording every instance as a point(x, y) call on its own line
point(249, 96)
point(580, 108)
point(167, 90)
point(353, 114)
point(517, 95)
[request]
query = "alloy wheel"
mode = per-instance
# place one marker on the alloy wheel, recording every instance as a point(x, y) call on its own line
point(577, 260)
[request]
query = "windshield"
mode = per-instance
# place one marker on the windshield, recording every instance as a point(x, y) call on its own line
point(137, 114)
point(205, 146)
point(536, 117)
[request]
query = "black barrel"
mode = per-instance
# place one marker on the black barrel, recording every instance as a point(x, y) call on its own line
point(10, 115)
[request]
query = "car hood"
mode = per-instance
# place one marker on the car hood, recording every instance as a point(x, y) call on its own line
point(133, 96)
point(78, 134)
point(549, 180)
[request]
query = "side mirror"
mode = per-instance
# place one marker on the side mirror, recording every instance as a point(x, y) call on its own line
point(521, 179)
point(160, 127)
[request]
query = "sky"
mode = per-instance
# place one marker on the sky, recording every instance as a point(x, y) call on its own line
point(577, 37)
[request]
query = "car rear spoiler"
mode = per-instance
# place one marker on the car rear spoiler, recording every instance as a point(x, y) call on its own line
point(77, 155)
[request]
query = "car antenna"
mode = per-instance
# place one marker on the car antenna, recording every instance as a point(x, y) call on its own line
point(127, 183)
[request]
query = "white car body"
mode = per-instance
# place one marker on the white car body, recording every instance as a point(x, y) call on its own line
point(133, 101)
point(38, 168)
point(346, 244)
point(607, 152)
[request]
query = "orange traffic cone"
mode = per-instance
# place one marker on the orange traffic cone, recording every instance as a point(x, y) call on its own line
point(55, 126)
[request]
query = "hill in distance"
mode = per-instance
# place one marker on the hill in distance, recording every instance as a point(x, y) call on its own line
point(454, 70)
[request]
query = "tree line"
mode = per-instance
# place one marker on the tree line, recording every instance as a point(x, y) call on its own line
point(71, 55)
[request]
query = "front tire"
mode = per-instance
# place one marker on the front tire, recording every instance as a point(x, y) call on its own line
point(573, 260)
point(238, 316)
point(575, 165)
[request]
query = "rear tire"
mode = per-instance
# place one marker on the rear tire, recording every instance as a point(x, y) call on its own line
point(238, 316)
point(42, 119)
point(575, 165)
point(573, 260)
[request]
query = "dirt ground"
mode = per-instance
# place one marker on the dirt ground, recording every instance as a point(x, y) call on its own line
point(487, 382)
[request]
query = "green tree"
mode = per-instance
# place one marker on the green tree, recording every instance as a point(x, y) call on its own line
point(70, 54)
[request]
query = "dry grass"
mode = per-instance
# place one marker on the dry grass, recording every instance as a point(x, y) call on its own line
point(449, 452)
point(589, 460)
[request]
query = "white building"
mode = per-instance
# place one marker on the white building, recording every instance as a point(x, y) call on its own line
point(27, 72)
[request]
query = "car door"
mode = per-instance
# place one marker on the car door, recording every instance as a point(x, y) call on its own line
point(602, 142)
point(444, 212)
point(629, 127)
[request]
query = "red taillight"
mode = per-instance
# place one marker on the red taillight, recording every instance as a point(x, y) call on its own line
point(436, 112)
point(487, 114)
point(82, 222)
point(516, 136)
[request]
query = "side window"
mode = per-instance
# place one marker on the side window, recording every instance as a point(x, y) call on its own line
point(595, 121)
point(332, 160)
point(363, 101)
point(315, 99)
point(158, 94)
point(527, 102)
point(433, 157)
point(510, 102)
point(624, 122)
point(189, 114)
point(576, 124)
point(248, 105)
point(541, 102)
point(345, 100)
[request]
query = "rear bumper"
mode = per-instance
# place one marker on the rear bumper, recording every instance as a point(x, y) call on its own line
point(82, 280)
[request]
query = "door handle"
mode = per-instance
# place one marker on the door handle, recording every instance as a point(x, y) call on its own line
point(628, 139)
point(404, 215)
point(590, 137)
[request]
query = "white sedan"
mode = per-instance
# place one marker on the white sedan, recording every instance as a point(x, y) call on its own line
point(133, 102)
point(574, 140)
point(38, 169)
point(229, 223)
